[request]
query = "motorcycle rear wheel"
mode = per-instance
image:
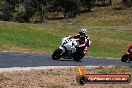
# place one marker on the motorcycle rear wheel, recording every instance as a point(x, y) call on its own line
point(57, 54)
point(78, 56)
point(125, 58)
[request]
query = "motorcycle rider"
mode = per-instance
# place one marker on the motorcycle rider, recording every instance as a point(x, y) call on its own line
point(84, 40)
point(130, 48)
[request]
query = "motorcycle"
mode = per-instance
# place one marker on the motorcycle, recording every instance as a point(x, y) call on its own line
point(69, 49)
point(127, 56)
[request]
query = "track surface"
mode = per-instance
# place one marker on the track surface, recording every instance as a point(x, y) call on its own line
point(8, 60)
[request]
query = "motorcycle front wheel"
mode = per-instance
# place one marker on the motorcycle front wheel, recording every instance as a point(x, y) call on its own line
point(56, 54)
point(125, 58)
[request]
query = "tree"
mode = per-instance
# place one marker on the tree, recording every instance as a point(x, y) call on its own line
point(110, 2)
point(6, 11)
point(70, 8)
point(30, 9)
point(87, 4)
point(127, 3)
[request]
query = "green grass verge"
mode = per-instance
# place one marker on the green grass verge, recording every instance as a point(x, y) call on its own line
point(107, 41)
point(25, 37)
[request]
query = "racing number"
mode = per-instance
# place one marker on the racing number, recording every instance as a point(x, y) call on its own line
point(66, 41)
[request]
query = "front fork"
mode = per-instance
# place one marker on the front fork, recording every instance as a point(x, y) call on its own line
point(63, 50)
point(130, 56)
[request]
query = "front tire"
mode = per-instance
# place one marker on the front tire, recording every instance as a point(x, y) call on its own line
point(57, 54)
point(125, 57)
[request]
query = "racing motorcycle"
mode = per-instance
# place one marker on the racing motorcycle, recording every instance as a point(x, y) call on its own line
point(69, 49)
point(127, 56)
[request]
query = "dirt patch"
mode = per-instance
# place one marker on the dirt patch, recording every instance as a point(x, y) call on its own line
point(58, 78)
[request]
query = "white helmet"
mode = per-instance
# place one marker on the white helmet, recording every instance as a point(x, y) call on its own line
point(83, 32)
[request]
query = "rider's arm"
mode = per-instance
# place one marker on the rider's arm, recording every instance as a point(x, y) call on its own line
point(88, 42)
point(74, 36)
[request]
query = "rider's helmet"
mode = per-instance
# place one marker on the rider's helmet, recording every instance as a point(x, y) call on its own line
point(83, 32)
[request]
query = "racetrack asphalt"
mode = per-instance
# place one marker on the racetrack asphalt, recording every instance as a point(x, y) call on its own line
point(14, 59)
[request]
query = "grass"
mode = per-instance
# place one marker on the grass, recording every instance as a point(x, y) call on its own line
point(106, 16)
point(107, 41)
point(26, 37)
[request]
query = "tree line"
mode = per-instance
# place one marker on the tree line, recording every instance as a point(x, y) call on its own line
point(23, 10)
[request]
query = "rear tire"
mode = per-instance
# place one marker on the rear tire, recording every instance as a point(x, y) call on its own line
point(125, 57)
point(56, 55)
